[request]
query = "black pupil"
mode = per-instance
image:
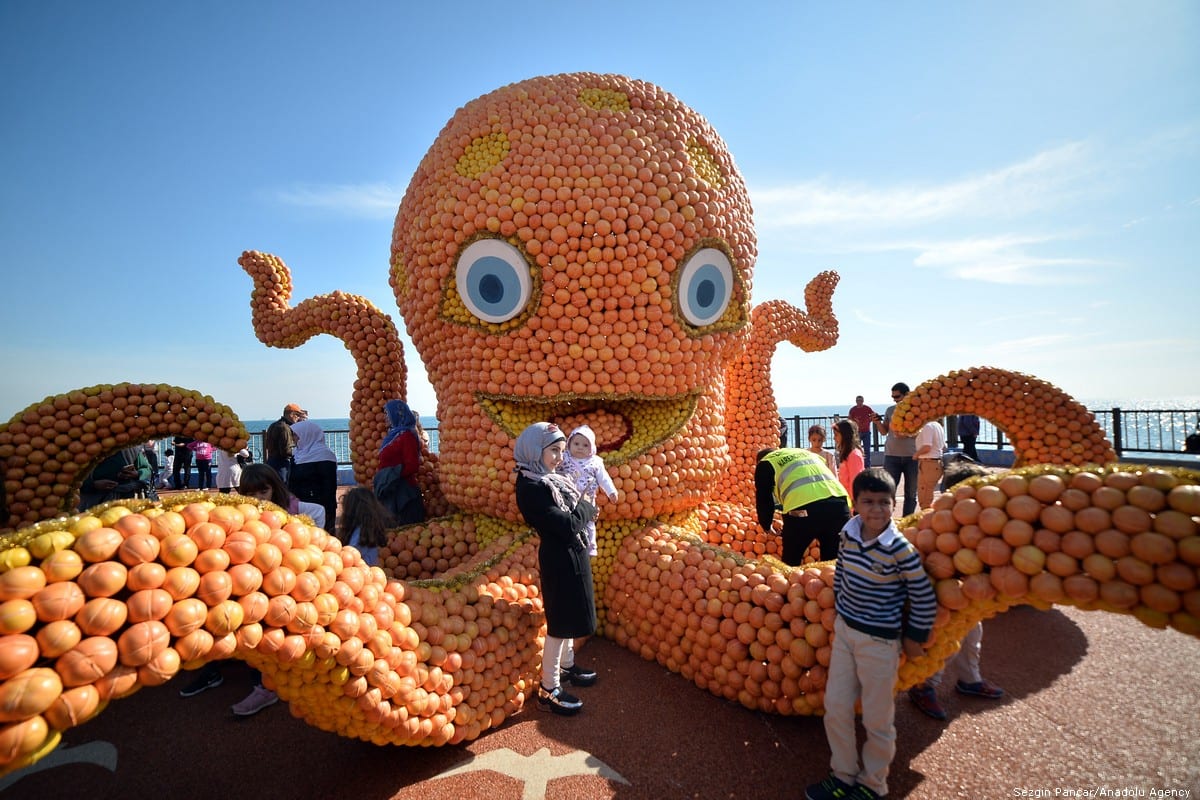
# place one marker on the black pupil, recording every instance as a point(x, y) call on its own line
point(706, 293)
point(491, 288)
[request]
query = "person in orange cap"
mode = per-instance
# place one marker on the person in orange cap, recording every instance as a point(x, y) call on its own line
point(279, 441)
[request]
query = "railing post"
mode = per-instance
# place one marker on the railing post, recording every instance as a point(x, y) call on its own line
point(1116, 443)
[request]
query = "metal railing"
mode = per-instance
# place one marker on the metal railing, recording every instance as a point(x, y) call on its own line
point(337, 440)
point(1129, 430)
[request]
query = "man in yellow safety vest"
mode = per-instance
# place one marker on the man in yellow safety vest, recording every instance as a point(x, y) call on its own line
point(812, 500)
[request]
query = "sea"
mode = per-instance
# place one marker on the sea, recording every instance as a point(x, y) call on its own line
point(1146, 425)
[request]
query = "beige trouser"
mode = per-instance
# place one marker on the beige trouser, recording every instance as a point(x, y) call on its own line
point(929, 472)
point(964, 664)
point(863, 666)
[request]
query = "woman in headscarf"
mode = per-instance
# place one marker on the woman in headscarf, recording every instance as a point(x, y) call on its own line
point(313, 476)
point(551, 505)
point(399, 458)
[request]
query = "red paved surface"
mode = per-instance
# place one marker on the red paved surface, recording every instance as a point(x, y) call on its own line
point(1095, 700)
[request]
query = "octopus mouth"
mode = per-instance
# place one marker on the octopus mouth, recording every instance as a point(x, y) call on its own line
point(625, 429)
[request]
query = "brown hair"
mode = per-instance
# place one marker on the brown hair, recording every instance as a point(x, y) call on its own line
point(361, 509)
point(850, 440)
point(256, 477)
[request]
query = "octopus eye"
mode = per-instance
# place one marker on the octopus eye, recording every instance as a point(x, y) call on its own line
point(705, 286)
point(493, 280)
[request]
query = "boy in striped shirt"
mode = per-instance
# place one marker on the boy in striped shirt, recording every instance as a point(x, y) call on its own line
point(879, 573)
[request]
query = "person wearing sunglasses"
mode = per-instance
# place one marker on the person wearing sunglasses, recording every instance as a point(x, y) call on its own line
point(899, 452)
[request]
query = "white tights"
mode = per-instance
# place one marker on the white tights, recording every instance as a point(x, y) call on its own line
point(558, 654)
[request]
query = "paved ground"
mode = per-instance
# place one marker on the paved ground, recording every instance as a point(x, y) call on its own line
point(1095, 701)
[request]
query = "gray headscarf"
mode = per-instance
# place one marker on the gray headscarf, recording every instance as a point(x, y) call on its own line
point(527, 451)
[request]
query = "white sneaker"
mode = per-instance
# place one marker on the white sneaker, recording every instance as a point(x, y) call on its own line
point(258, 699)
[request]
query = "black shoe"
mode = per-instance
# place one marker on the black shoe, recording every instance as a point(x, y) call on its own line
point(829, 789)
point(558, 701)
point(577, 676)
point(205, 681)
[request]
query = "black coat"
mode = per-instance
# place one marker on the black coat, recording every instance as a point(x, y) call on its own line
point(566, 568)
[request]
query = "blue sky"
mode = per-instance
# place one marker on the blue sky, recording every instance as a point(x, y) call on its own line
point(1013, 184)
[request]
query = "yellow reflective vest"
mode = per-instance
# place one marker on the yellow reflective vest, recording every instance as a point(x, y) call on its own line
point(801, 477)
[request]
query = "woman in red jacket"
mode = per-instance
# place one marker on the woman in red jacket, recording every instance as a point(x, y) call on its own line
point(399, 458)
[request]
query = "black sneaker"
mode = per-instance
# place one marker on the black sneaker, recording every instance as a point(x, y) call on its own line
point(558, 701)
point(829, 789)
point(204, 681)
point(577, 676)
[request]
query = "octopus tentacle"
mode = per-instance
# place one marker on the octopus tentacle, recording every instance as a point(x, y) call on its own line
point(749, 378)
point(425, 661)
point(367, 333)
point(49, 448)
point(1046, 425)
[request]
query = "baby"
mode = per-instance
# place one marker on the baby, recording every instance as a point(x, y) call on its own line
point(581, 464)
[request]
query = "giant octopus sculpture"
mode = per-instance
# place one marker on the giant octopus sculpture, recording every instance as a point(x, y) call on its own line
point(575, 248)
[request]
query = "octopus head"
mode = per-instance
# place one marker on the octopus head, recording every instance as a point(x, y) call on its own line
point(577, 248)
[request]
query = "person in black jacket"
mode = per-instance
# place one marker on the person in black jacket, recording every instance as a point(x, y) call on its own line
point(279, 441)
point(181, 472)
point(551, 505)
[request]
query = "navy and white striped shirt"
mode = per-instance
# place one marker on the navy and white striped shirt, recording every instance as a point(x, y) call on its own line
point(873, 582)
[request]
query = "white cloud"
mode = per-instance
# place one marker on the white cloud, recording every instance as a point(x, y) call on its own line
point(1036, 183)
point(997, 207)
point(1022, 346)
point(862, 317)
point(1004, 260)
point(371, 200)
point(1016, 319)
point(1063, 348)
